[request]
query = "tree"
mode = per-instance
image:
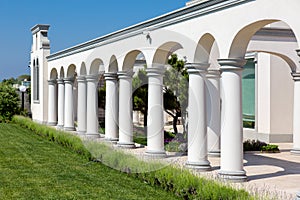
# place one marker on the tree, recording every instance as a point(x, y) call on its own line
point(9, 102)
point(140, 93)
point(176, 91)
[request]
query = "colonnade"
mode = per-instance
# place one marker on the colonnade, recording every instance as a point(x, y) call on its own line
point(205, 123)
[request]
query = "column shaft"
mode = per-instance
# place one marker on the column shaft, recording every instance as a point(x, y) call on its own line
point(52, 108)
point(61, 103)
point(69, 105)
point(92, 106)
point(232, 127)
point(125, 110)
point(197, 128)
point(213, 112)
point(155, 123)
point(296, 123)
point(111, 107)
point(81, 105)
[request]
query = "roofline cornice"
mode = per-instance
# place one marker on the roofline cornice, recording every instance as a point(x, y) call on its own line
point(170, 18)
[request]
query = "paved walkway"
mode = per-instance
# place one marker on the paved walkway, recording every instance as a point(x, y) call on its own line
point(276, 175)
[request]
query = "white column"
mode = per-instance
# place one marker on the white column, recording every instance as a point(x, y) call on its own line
point(213, 112)
point(125, 110)
point(197, 128)
point(232, 127)
point(69, 105)
point(92, 107)
point(296, 122)
point(52, 109)
point(111, 107)
point(155, 123)
point(81, 105)
point(61, 103)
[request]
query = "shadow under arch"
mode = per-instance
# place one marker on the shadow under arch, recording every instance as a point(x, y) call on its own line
point(53, 74)
point(71, 71)
point(242, 38)
point(97, 66)
point(61, 72)
point(207, 49)
point(82, 71)
point(113, 64)
point(130, 59)
point(164, 51)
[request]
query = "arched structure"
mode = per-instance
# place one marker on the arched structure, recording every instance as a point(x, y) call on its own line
point(214, 41)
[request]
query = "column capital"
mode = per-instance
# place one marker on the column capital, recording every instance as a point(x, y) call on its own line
point(125, 74)
point(298, 52)
point(228, 64)
point(51, 82)
point(213, 73)
point(81, 79)
point(91, 78)
point(296, 76)
point(197, 68)
point(69, 80)
point(60, 81)
point(111, 76)
point(155, 71)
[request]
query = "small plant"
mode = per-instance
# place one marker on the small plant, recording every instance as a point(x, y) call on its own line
point(253, 145)
point(270, 148)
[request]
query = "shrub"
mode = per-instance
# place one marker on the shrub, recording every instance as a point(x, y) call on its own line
point(272, 148)
point(9, 102)
point(253, 145)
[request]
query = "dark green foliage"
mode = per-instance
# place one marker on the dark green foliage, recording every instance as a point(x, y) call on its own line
point(9, 102)
point(176, 90)
point(253, 145)
point(140, 93)
point(270, 148)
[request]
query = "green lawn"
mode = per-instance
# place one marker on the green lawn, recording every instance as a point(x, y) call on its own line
point(33, 168)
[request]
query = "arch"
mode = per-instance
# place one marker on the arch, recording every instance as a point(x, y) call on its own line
point(207, 50)
point(71, 71)
point(61, 72)
point(241, 40)
point(164, 51)
point(82, 69)
point(130, 59)
point(113, 64)
point(287, 59)
point(53, 74)
point(96, 66)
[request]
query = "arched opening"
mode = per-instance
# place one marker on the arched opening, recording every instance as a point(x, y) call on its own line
point(164, 52)
point(71, 72)
point(82, 69)
point(53, 74)
point(267, 86)
point(97, 67)
point(36, 85)
point(113, 64)
point(61, 73)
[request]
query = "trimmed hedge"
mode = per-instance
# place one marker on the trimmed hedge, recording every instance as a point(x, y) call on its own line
point(178, 181)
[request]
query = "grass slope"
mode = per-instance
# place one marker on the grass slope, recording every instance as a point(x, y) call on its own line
point(33, 168)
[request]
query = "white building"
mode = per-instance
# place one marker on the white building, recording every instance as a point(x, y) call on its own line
point(217, 38)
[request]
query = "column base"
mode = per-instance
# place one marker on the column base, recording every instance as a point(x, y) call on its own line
point(126, 145)
point(233, 176)
point(81, 133)
point(214, 153)
point(295, 151)
point(112, 140)
point(69, 129)
point(60, 127)
point(155, 154)
point(92, 135)
point(200, 166)
point(52, 123)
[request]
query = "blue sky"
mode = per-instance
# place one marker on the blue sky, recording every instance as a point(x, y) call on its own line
point(72, 22)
